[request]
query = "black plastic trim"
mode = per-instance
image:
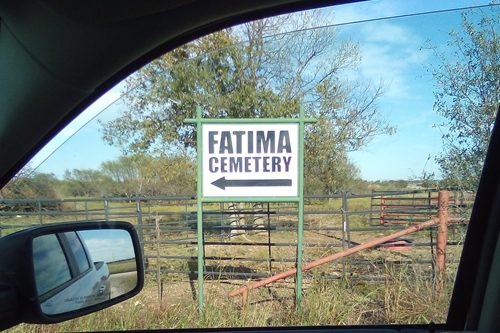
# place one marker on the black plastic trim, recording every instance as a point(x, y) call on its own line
point(195, 32)
point(477, 254)
point(42, 318)
point(340, 329)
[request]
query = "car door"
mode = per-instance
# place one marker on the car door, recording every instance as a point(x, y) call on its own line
point(65, 275)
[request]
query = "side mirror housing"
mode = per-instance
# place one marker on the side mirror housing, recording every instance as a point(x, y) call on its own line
point(57, 272)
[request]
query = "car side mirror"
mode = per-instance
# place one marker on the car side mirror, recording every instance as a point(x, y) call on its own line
point(62, 271)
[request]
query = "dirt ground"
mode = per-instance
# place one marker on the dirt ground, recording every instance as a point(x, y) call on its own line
point(122, 283)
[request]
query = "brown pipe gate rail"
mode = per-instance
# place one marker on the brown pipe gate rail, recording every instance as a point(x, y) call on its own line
point(442, 221)
point(259, 238)
point(415, 207)
point(414, 228)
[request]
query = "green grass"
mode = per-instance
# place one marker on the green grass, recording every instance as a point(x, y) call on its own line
point(403, 297)
point(122, 266)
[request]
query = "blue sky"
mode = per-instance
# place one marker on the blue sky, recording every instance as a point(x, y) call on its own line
point(108, 244)
point(393, 51)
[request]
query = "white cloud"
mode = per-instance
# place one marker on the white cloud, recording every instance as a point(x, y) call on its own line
point(385, 32)
point(108, 245)
point(391, 54)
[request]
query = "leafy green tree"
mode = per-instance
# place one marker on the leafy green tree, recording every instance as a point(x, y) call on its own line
point(468, 96)
point(85, 183)
point(28, 184)
point(264, 77)
point(126, 175)
point(140, 174)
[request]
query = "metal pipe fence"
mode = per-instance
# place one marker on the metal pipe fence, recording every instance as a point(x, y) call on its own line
point(249, 241)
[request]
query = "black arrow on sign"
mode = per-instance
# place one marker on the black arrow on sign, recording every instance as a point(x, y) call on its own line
point(222, 182)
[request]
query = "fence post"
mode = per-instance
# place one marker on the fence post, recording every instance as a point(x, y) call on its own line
point(222, 230)
point(106, 209)
point(429, 204)
point(442, 238)
point(382, 208)
point(40, 218)
point(370, 218)
point(158, 263)
point(345, 208)
point(138, 210)
point(269, 250)
point(344, 229)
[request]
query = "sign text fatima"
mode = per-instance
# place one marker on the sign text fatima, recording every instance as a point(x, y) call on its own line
point(231, 143)
point(250, 160)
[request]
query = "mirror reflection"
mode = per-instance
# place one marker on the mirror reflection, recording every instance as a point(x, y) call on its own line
point(78, 269)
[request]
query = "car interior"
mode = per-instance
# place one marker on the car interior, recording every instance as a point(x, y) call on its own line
point(57, 58)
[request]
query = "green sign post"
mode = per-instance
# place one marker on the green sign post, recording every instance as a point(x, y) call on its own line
point(250, 160)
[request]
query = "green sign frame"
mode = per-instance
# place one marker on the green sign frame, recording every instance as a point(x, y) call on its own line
point(199, 121)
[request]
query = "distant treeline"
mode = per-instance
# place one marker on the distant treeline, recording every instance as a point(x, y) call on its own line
point(129, 176)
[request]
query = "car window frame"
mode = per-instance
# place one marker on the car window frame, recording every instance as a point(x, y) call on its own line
point(61, 247)
point(72, 265)
point(72, 257)
point(466, 275)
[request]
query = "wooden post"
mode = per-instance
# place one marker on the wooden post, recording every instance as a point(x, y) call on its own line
point(442, 238)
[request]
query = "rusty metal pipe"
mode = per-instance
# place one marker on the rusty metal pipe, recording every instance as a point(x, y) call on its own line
point(442, 238)
point(414, 228)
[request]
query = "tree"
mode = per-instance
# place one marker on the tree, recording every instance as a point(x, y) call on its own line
point(344, 123)
point(140, 174)
point(263, 77)
point(28, 184)
point(85, 183)
point(468, 96)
